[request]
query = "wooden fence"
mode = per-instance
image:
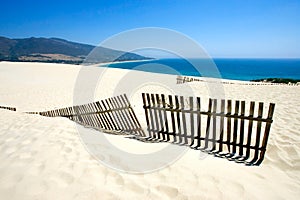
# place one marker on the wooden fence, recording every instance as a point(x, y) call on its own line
point(185, 79)
point(112, 114)
point(224, 130)
point(8, 108)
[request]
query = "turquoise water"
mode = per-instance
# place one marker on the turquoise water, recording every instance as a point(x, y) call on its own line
point(237, 69)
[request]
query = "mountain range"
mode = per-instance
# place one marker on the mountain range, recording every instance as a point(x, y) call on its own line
point(59, 51)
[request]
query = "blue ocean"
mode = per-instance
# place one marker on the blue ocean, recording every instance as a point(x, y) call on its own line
point(237, 69)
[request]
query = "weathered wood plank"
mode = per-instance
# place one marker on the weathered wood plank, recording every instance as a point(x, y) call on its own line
point(184, 134)
point(242, 128)
point(214, 121)
point(207, 134)
point(165, 118)
point(178, 121)
point(221, 138)
point(171, 105)
point(198, 136)
point(192, 123)
point(160, 116)
point(258, 133)
point(266, 134)
point(150, 110)
point(156, 125)
point(146, 109)
point(235, 128)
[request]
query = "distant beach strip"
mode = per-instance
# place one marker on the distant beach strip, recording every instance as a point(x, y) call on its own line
point(282, 70)
point(268, 81)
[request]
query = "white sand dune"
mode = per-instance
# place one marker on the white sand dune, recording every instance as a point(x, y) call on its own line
point(44, 158)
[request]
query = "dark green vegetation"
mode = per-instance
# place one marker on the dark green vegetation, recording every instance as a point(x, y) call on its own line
point(58, 51)
point(277, 80)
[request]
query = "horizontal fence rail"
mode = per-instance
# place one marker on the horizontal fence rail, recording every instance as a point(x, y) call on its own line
point(112, 114)
point(8, 108)
point(224, 130)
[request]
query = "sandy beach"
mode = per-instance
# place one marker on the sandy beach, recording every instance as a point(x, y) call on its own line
point(44, 158)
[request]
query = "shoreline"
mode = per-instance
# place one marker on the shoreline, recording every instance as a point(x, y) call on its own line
point(115, 62)
point(278, 81)
point(188, 78)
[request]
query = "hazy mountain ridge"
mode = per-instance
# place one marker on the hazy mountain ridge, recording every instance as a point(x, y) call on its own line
point(58, 50)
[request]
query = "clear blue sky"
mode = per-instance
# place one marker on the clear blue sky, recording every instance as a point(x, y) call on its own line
point(225, 28)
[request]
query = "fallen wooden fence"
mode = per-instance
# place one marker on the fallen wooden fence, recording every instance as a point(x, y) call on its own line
point(8, 108)
point(112, 114)
point(224, 130)
point(228, 132)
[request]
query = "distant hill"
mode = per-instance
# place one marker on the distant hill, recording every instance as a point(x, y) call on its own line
point(59, 51)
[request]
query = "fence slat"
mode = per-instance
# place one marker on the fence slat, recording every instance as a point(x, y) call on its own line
point(266, 134)
point(229, 110)
point(214, 135)
point(258, 132)
point(160, 116)
point(198, 136)
point(184, 135)
point(178, 134)
point(156, 124)
point(192, 123)
point(165, 118)
point(152, 126)
point(171, 106)
point(221, 138)
point(242, 126)
point(235, 128)
point(208, 127)
point(146, 113)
